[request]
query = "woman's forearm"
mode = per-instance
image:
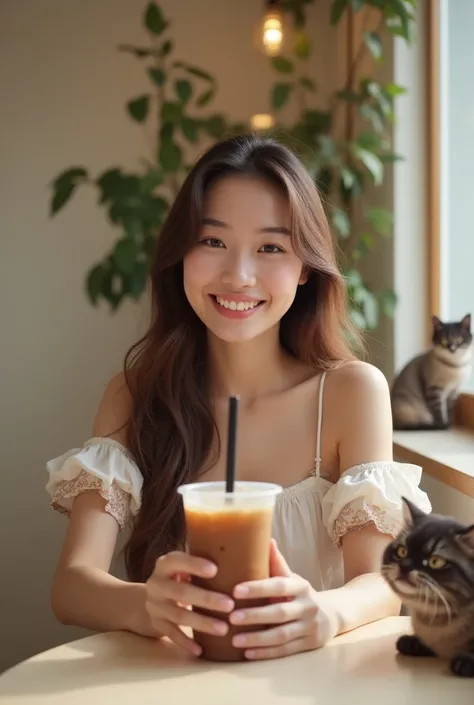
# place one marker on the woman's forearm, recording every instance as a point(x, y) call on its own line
point(364, 599)
point(88, 597)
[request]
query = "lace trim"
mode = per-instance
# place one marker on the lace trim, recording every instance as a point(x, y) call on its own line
point(354, 517)
point(117, 500)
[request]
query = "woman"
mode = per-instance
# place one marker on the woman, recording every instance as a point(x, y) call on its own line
point(247, 299)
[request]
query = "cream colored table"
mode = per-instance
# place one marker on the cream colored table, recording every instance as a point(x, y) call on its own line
point(122, 669)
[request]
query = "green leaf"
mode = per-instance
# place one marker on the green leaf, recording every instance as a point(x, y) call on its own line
point(319, 121)
point(358, 319)
point(194, 71)
point(307, 83)
point(353, 278)
point(94, 280)
point(205, 98)
point(170, 156)
point(139, 52)
point(373, 116)
point(64, 186)
point(151, 180)
point(369, 140)
point(371, 309)
point(109, 183)
point(138, 108)
point(381, 220)
point(373, 44)
point(337, 10)
point(158, 76)
point(190, 129)
point(166, 48)
point(371, 162)
point(137, 279)
point(399, 9)
point(171, 112)
point(302, 46)
point(388, 302)
point(341, 222)
point(280, 95)
point(215, 126)
point(125, 254)
point(184, 90)
point(154, 19)
point(282, 65)
point(394, 90)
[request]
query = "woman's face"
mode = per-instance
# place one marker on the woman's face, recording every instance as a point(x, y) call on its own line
point(242, 275)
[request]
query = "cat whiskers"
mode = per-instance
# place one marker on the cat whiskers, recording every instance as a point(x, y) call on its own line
point(431, 588)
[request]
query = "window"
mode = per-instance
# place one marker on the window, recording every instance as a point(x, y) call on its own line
point(451, 159)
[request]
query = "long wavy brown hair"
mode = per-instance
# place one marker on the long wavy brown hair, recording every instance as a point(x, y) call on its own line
point(171, 429)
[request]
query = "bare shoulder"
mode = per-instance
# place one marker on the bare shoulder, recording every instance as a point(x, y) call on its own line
point(359, 401)
point(357, 380)
point(114, 410)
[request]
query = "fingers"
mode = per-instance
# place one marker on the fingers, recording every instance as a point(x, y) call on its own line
point(188, 594)
point(177, 562)
point(290, 586)
point(278, 636)
point(179, 637)
point(292, 647)
point(277, 613)
point(168, 612)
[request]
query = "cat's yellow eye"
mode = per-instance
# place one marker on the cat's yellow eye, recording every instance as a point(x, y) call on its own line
point(401, 552)
point(459, 340)
point(436, 562)
point(444, 342)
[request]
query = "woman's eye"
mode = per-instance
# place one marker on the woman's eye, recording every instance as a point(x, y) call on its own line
point(212, 242)
point(271, 249)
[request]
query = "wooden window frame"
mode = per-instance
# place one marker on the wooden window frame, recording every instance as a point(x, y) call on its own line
point(464, 413)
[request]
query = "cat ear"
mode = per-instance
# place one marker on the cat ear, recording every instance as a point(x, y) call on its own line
point(466, 322)
point(411, 513)
point(437, 322)
point(466, 539)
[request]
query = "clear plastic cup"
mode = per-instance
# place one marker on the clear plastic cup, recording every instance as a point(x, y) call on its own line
point(233, 530)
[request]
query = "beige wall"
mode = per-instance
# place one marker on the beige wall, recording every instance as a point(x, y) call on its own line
point(63, 87)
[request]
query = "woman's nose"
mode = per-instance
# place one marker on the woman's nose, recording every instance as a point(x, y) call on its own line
point(239, 271)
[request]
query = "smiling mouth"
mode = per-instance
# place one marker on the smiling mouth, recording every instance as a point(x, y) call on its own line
point(237, 306)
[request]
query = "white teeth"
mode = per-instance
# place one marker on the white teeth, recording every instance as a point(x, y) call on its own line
point(236, 305)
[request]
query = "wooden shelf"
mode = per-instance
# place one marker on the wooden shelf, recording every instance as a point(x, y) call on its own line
point(448, 456)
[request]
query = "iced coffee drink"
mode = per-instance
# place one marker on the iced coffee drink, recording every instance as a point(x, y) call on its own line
point(233, 530)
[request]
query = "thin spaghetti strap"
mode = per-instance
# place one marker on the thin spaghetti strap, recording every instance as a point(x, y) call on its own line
point(317, 465)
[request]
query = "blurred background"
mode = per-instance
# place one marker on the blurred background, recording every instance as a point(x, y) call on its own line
point(104, 106)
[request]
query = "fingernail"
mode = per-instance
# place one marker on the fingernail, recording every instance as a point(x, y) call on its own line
point(239, 640)
point(250, 654)
point(197, 650)
point(226, 604)
point(209, 569)
point(241, 591)
point(220, 628)
point(237, 617)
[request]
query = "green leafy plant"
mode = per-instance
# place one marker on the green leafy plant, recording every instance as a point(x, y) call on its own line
point(345, 162)
point(137, 202)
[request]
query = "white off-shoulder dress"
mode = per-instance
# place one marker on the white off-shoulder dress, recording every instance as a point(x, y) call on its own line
point(311, 517)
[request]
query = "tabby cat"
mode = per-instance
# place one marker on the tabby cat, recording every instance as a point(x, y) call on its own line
point(424, 392)
point(430, 566)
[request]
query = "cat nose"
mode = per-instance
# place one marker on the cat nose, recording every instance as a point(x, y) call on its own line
point(452, 348)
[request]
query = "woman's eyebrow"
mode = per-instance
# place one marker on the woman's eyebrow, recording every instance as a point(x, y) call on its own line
point(275, 229)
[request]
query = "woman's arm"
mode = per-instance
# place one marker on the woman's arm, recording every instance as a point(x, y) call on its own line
point(365, 435)
point(83, 592)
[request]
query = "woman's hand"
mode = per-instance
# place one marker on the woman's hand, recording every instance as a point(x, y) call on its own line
point(170, 596)
point(298, 622)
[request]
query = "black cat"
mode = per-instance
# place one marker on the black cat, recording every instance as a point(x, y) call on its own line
point(430, 566)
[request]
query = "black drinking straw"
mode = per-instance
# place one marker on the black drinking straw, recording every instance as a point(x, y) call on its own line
point(231, 443)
